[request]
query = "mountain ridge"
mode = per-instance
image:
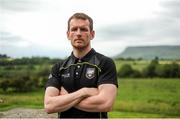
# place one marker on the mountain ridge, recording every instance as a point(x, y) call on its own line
point(150, 52)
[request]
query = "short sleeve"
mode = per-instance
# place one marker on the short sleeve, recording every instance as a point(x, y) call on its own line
point(54, 79)
point(108, 74)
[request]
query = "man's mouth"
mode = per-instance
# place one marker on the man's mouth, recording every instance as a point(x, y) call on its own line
point(77, 40)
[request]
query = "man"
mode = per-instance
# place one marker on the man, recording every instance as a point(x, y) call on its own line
point(85, 84)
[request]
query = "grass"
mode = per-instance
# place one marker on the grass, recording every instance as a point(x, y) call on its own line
point(28, 100)
point(119, 114)
point(154, 96)
point(140, 64)
point(146, 98)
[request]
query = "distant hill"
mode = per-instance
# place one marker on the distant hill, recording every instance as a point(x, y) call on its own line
point(150, 52)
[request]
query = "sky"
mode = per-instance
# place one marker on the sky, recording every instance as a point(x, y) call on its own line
point(38, 27)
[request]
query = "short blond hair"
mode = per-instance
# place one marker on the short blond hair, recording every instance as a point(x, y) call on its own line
point(82, 16)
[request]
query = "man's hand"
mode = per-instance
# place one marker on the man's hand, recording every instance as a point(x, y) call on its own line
point(85, 91)
point(63, 91)
point(59, 101)
point(89, 91)
point(101, 102)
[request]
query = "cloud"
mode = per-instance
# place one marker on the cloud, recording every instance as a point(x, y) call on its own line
point(123, 30)
point(29, 51)
point(36, 24)
point(19, 5)
point(171, 9)
point(141, 29)
point(15, 46)
point(6, 36)
point(164, 29)
point(8, 39)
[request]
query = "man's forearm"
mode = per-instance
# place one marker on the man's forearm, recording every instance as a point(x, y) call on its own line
point(102, 102)
point(63, 102)
point(67, 106)
point(94, 104)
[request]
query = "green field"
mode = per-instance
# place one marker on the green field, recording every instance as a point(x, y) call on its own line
point(157, 97)
point(148, 98)
point(139, 65)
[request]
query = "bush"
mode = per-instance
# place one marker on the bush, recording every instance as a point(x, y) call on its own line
point(125, 71)
point(168, 70)
point(136, 74)
point(4, 84)
point(23, 84)
point(149, 71)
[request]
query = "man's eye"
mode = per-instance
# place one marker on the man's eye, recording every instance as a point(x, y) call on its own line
point(84, 29)
point(74, 29)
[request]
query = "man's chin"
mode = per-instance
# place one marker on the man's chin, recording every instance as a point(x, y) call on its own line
point(80, 47)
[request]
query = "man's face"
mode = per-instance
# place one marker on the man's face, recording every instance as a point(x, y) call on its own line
point(79, 33)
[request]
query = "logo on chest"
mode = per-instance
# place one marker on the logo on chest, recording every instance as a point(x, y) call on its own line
point(90, 73)
point(67, 75)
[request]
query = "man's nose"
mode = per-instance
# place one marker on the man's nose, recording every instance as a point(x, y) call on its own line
point(78, 31)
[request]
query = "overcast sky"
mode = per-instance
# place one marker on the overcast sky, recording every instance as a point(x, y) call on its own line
point(38, 27)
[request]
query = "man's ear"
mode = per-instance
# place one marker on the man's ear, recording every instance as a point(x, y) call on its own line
point(92, 34)
point(67, 33)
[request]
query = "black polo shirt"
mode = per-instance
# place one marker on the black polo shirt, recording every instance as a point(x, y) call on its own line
point(92, 70)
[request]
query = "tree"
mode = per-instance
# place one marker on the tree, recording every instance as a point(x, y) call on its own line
point(125, 71)
point(168, 70)
point(4, 84)
point(149, 71)
point(175, 70)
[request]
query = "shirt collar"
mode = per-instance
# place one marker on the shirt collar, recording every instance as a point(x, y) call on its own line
point(86, 58)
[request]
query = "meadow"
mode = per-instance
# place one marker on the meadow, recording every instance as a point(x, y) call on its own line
point(154, 97)
point(141, 64)
point(137, 97)
point(147, 98)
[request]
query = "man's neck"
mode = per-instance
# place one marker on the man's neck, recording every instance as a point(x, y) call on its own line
point(80, 53)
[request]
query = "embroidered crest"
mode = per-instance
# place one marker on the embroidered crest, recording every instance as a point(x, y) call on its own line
point(67, 75)
point(90, 73)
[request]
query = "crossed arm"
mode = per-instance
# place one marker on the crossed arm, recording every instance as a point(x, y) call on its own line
point(99, 99)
